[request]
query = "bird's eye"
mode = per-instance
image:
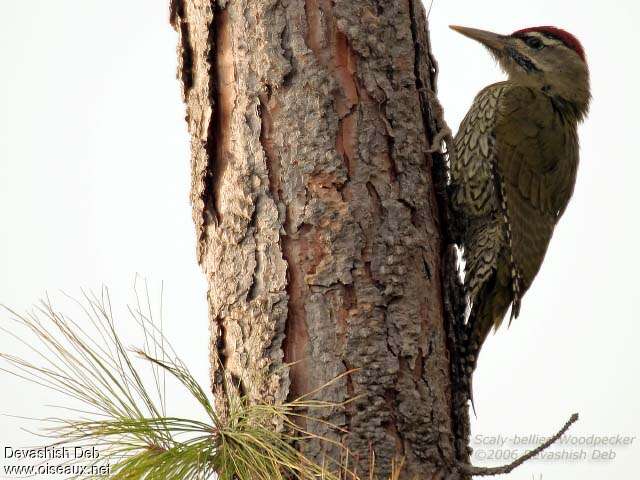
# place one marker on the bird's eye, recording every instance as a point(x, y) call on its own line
point(534, 43)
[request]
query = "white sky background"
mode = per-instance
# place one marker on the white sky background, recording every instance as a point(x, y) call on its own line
point(94, 178)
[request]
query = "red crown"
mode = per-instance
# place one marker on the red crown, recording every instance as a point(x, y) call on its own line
point(565, 37)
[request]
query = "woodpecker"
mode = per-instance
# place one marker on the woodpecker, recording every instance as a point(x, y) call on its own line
point(515, 169)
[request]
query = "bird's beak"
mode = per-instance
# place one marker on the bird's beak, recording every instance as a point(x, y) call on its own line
point(491, 40)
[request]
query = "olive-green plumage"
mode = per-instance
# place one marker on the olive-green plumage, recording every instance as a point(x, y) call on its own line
point(514, 171)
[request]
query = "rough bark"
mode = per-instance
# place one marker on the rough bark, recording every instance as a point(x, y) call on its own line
point(319, 225)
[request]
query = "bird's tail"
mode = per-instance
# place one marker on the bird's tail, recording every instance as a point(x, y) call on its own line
point(487, 311)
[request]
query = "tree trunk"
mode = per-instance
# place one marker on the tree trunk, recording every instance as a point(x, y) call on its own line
point(319, 226)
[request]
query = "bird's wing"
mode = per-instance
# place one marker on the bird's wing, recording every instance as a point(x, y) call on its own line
point(537, 160)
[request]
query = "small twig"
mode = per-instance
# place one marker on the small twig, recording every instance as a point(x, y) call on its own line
point(490, 471)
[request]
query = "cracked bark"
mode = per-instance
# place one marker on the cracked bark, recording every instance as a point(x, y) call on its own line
point(319, 216)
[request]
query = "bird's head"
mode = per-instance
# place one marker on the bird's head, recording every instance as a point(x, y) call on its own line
point(547, 58)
